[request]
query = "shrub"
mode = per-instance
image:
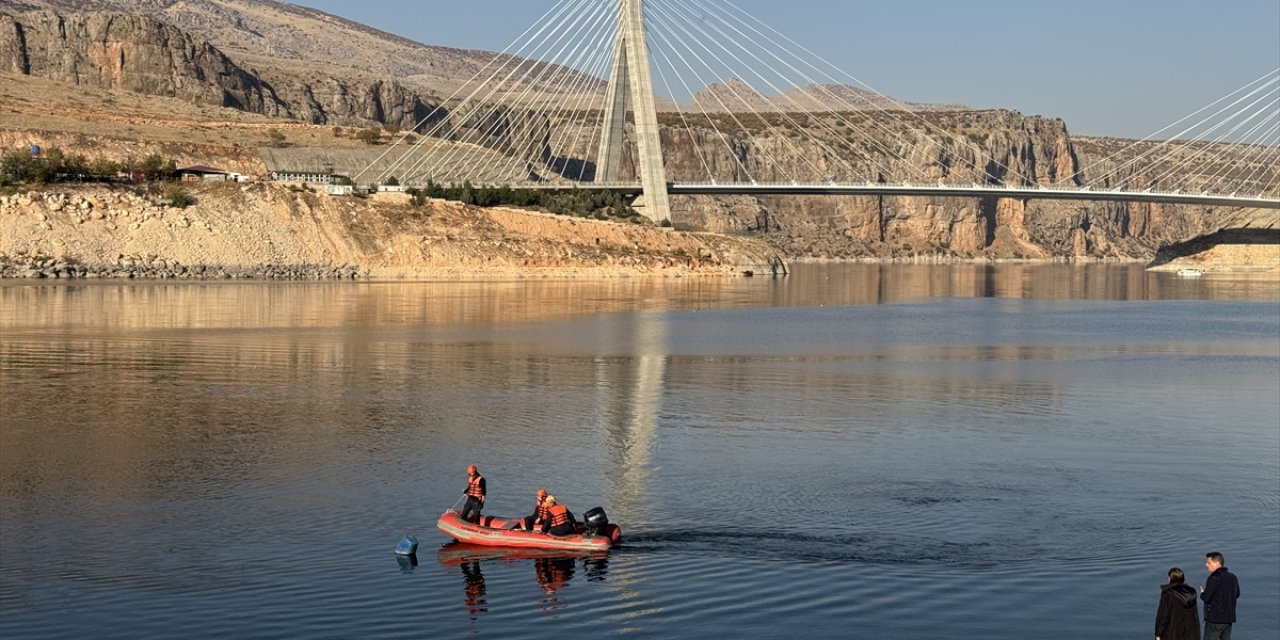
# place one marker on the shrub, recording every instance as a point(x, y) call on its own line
point(178, 198)
point(276, 139)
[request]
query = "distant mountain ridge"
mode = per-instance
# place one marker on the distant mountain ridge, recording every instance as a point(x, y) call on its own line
point(290, 61)
point(736, 95)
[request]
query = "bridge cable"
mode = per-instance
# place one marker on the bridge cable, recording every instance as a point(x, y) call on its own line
point(582, 117)
point(503, 106)
point(1142, 156)
point(769, 124)
point(1207, 146)
point(805, 90)
point(789, 118)
point(497, 104)
point(571, 74)
point(661, 19)
point(927, 125)
point(710, 122)
point(1255, 140)
point(552, 14)
point(436, 135)
point(688, 128)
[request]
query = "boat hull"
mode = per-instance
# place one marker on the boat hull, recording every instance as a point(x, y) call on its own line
point(494, 532)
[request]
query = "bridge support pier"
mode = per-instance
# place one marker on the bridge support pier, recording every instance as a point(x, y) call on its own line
point(632, 78)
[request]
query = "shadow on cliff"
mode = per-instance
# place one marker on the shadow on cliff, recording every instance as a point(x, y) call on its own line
point(573, 168)
point(1224, 237)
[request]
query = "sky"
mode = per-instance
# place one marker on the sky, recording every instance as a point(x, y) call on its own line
point(1125, 68)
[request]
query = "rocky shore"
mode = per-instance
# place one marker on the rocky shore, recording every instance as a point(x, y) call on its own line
point(273, 232)
point(39, 266)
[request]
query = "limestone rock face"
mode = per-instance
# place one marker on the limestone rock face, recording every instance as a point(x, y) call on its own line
point(140, 54)
point(966, 147)
point(351, 101)
point(130, 53)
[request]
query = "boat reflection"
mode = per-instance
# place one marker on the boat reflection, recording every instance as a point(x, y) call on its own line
point(552, 570)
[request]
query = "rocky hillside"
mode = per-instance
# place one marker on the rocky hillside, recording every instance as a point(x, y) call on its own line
point(144, 55)
point(303, 52)
point(138, 53)
point(270, 231)
point(288, 38)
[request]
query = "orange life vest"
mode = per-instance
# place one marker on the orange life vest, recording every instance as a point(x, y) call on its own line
point(559, 514)
point(540, 511)
point(474, 489)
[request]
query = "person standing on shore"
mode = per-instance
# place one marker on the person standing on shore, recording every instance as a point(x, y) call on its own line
point(475, 493)
point(1219, 593)
point(1178, 617)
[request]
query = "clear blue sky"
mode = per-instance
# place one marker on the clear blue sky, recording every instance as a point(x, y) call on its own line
point(1108, 67)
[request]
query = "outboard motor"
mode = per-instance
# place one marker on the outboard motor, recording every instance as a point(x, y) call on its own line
point(596, 521)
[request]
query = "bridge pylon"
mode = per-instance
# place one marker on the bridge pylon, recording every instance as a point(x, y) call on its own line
point(632, 78)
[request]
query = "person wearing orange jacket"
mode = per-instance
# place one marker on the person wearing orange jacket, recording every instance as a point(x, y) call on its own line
point(539, 510)
point(559, 520)
point(475, 494)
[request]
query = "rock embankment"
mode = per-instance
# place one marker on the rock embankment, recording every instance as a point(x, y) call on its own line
point(272, 232)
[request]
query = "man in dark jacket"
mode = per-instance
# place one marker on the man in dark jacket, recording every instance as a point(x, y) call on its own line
point(1177, 618)
point(1219, 593)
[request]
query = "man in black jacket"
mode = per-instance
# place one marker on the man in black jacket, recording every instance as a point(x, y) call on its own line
point(1219, 593)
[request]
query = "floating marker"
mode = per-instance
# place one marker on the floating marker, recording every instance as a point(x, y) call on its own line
point(408, 546)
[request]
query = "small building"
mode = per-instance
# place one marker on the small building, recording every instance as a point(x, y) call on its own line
point(302, 176)
point(204, 173)
point(339, 189)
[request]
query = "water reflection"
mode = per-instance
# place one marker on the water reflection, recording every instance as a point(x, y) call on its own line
point(633, 386)
point(552, 571)
point(149, 305)
point(407, 562)
point(473, 579)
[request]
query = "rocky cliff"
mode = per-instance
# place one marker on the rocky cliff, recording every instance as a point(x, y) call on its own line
point(964, 148)
point(143, 55)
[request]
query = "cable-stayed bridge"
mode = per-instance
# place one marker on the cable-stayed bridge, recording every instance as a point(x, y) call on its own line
point(573, 104)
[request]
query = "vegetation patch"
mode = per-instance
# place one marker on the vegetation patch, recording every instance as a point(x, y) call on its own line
point(583, 203)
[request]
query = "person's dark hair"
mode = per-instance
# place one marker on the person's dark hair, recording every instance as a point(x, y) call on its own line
point(1176, 576)
point(1216, 557)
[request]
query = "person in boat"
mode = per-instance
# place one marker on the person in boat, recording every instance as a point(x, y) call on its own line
point(1176, 617)
point(539, 510)
point(559, 520)
point(475, 493)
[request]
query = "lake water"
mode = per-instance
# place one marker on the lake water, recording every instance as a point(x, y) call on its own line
point(855, 451)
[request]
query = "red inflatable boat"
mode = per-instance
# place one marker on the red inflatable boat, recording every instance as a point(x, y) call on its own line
point(497, 532)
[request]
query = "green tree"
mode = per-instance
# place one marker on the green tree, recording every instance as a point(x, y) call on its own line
point(154, 167)
point(104, 169)
point(369, 136)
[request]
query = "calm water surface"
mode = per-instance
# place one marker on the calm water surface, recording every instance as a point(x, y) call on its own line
point(854, 451)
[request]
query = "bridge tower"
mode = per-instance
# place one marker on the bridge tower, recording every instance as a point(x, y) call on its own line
point(632, 78)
